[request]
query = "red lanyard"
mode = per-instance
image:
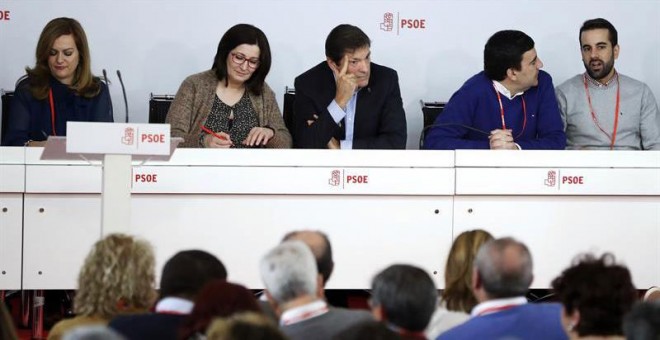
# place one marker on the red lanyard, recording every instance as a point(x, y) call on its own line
point(496, 309)
point(305, 316)
point(524, 106)
point(52, 110)
point(616, 110)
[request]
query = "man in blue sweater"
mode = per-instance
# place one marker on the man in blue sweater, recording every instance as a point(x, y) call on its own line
point(502, 275)
point(510, 105)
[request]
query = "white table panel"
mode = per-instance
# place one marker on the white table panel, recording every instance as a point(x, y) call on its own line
point(558, 181)
point(556, 229)
point(11, 240)
point(58, 238)
point(367, 233)
point(293, 180)
point(63, 178)
point(558, 158)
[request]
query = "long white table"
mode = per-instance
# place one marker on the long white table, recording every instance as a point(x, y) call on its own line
point(378, 207)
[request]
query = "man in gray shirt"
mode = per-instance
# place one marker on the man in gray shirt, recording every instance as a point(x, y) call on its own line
point(601, 108)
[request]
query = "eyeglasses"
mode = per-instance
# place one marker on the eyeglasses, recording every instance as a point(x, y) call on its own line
point(240, 59)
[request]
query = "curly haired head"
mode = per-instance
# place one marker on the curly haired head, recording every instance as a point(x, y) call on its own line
point(600, 290)
point(118, 273)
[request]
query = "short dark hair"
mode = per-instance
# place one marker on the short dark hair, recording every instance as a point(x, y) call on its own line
point(324, 262)
point(601, 290)
point(238, 35)
point(643, 322)
point(367, 330)
point(504, 50)
point(501, 278)
point(188, 271)
point(407, 295)
point(597, 23)
point(344, 38)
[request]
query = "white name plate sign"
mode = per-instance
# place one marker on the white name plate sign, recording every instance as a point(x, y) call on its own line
point(118, 138)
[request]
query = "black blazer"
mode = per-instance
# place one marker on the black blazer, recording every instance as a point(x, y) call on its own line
point(148, 326)
point(380, 122)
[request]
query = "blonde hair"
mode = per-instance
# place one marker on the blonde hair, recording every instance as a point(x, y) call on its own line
point(118, 269)
point(84, 83)
point(248, 325)
point(457, 295)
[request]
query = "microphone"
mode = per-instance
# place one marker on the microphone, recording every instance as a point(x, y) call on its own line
point(426, 128)
point(123, 91)
point(105, 77)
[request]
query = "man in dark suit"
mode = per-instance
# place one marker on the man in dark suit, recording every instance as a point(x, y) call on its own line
point(348, 102)
point(501, 277)
point(183, 277)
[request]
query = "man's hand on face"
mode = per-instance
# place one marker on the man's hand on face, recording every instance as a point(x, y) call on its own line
point(346, 82)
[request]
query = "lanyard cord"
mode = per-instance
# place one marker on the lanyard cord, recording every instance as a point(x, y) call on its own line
point(52, 110)
point(616, 110)
point(524, 106)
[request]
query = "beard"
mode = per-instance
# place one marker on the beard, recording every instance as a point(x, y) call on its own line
point(598, 69)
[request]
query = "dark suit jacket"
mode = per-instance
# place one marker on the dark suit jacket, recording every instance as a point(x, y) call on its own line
point(380, 122)
point(148, 326)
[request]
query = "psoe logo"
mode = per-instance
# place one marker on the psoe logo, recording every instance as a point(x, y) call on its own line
point(129, 136)
point(551, 180)
point(4, 15)
point(391, 20)
point(335, 178)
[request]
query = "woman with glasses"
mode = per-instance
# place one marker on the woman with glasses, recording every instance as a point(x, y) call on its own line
point(231, 105)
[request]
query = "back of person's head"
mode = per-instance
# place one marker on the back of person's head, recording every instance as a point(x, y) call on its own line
point(406, 295)
point(218, 298)
point(117, 275)
point(600, 23)
point(319, 243)
point(457, 294)
point(96, 332)
point(504, 50)
point(367, 330)
point(7, 330)
point(505, 268)
point(241, 326)
point(344, 38)
point(185, 273)
point(289, 271)
point(643, 322)
point(83, 80)
point(600, 290)
point(238, 35)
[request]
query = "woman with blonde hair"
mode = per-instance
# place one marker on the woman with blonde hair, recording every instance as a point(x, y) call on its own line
point(58, 89)
point(457, 299)
point(118, 277)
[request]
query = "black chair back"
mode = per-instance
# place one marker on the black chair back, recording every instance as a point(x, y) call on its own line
point(7, 97)
point(158, 107)
point(430, 111)
point(288, 109)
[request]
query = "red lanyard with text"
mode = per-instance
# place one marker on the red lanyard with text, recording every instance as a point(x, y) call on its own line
point(524, 106)
point(496, 309)
point(305, 316)
point(52, 110)
point(616, 110)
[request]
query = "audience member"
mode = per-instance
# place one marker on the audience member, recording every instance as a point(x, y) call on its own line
point(248, 325)
point(501, 276)
point(58, 89)
point(293, 287)
point(319, 243)
point(596, 293)
point(348, 102)
point(457, 298)
point(601, 108)
point(404, 297)
point(183, 277)
point(510, 105)
point(652, 294)
point(643, 322)
point(7, 330)
point(116, 278)
point(231, 105)
point(218, 298)
point(93, 332)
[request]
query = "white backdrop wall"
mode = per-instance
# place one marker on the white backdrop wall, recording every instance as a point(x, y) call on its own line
point(156, 44)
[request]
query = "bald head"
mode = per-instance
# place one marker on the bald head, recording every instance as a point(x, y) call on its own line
point(504, 268)
point(320, 245)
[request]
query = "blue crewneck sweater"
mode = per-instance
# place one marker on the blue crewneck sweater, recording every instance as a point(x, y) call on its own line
point(475, 104)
